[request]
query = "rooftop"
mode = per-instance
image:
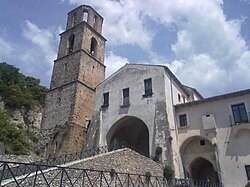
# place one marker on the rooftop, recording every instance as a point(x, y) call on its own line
point(215, 98)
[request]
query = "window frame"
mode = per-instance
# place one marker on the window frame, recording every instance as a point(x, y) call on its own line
point(239, 114)
point(148, 87)
point(125, 97)
point(105, 99)
point(181, 120)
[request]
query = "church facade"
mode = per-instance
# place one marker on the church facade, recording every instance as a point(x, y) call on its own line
point(201, 138)
point(145, 106)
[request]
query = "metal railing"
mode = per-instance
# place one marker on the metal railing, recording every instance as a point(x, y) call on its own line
point(44, 175)
point(21, 169)
point(56, 160)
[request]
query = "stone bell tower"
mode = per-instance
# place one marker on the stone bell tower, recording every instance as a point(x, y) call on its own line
point(78, 69)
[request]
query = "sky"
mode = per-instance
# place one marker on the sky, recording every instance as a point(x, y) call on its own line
point(205, 43)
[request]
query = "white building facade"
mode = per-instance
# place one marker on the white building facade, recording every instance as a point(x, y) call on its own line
point(214, 133)
point(148, 107)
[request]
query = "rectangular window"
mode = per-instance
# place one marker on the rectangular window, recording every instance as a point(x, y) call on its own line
point(202, 142)
point(248, 171)
point(106, 99)
point(125, 96)
point(183, 120)
point(239, 113)
point(148, 87)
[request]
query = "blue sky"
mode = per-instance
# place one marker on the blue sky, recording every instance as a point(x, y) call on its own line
point(205, 43)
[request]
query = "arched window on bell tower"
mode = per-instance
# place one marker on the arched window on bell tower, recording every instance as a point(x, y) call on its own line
point(73, 22)
point(93, 47)
point(71, 43)
point(85, 15)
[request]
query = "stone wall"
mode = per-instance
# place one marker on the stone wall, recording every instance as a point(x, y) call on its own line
point(123, 161)
point(18, 158)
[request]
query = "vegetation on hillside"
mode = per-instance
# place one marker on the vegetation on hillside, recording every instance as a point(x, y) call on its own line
point(15, 140)
point(18, 90)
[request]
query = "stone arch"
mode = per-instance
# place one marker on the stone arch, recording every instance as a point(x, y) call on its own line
point(131, 130)
point(203, 170)
point(198, 152)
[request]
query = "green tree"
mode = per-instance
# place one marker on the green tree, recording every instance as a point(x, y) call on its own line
point(8, 73)
point(17, 90)
point(15, 140)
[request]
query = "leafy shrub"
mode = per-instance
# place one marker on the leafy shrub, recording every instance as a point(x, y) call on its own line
point(112, 173)
point(168, 172)
point(148, 176)
point(15, 140)
point(158, 150)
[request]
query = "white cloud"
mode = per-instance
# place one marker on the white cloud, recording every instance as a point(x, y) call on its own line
point(41, 38)
point(42, 51)
point(212, 51)
point(209, 51)
point(124, 22)
point(201, 71)
point(113, 63)
point(6, 49)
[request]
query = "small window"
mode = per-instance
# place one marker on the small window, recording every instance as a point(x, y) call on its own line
point(202, 142)
point(239, 113)
point(65, 66)
point(148, 87)
point(248, 171)
point(179, 97)
point(74, 17)
point(95, 19)
point(184, 99)
point(93, 47)
point(59, 96)
point(106, 99)
point(183, 120)
point(71, 43)
point(125, 96)
point(85, 15)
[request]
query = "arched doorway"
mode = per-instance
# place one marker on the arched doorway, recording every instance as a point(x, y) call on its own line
point(202, 170)
point(131, 130)
point(198, 159)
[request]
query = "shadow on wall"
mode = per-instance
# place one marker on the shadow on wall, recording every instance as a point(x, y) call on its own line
point(131, 130)
point(238, 144)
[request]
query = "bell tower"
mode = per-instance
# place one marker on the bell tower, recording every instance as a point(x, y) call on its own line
point(78, 69)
